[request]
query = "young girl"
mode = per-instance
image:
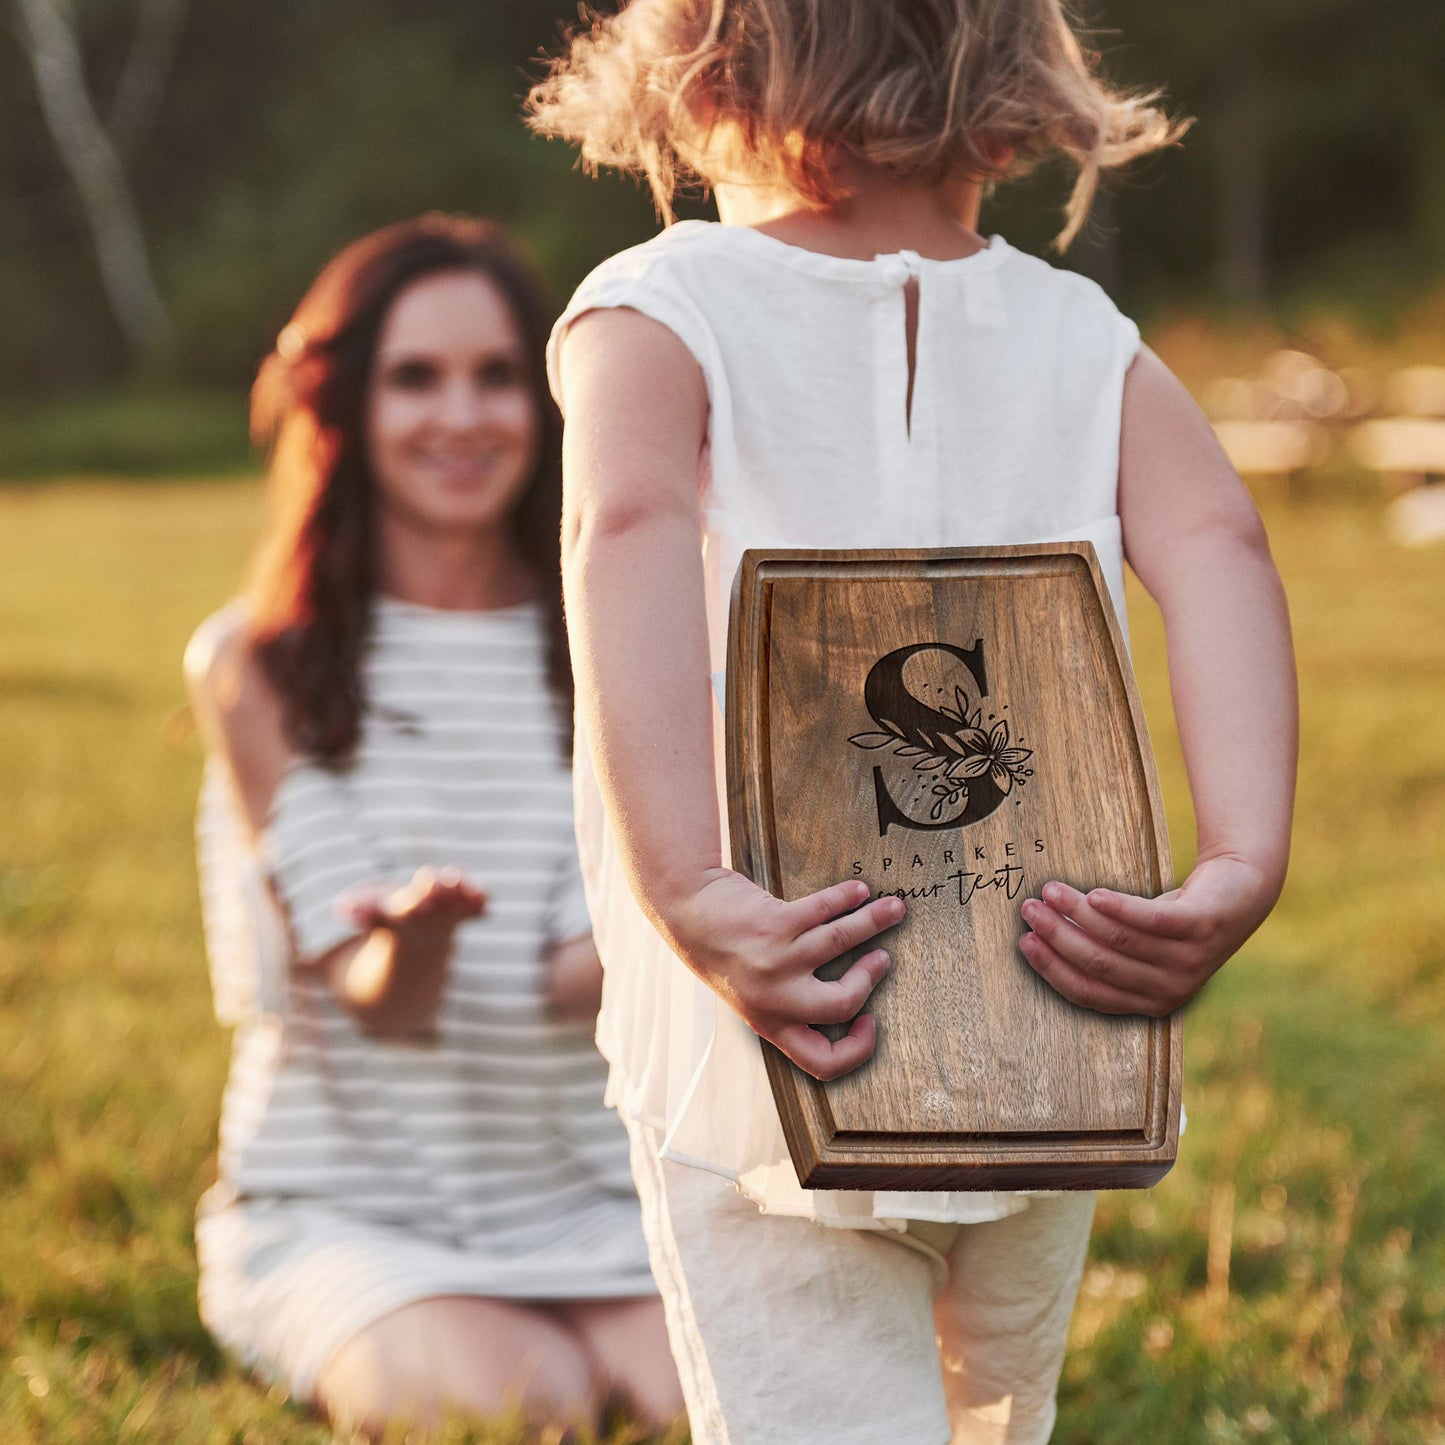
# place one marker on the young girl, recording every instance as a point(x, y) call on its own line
point(423, 1205)
point(845, 362)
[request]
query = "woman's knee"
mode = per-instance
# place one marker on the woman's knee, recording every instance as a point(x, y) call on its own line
point(374, 1378)
point(468, 1357)
point(627, 1342)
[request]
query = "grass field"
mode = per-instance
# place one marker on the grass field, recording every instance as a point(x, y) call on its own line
point(1286, 1283)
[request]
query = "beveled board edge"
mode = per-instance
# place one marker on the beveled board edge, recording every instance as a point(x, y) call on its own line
point(979, 1163)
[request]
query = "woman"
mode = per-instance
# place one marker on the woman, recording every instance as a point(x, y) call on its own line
point(423, 1205)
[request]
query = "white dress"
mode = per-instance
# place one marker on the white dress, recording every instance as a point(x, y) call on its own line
point(359, 1175)
point(1013, 437)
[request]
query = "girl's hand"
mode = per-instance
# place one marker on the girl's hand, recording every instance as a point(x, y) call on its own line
point(1121, 954)
point(435, 901)
point(760, 955)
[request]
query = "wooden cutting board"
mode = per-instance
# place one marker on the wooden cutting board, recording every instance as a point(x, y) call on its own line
point(959, 727)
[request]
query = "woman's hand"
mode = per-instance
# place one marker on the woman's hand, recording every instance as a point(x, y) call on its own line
point(1121, 954)
point(391, 981)
point(435, 901)
point(760, 955)
point(574, 979)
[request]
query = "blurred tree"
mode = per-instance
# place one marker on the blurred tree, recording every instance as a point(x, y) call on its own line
point(145, 73)
point(395, 120)
point(91, 156)
point(1314, 148)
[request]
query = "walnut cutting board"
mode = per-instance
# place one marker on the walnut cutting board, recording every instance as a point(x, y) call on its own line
point(958, 727)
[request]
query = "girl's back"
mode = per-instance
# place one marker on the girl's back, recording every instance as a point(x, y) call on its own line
point(898, 401)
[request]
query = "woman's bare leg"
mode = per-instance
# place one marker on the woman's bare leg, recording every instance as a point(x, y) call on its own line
point(459, 1355)
point(626, 1340)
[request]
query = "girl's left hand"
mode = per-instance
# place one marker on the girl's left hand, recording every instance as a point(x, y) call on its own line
point(1120, 954)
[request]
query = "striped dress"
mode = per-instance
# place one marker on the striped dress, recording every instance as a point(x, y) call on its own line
point(359, 1175)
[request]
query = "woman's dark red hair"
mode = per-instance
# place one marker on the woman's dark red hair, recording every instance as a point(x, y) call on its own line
point(315, 576)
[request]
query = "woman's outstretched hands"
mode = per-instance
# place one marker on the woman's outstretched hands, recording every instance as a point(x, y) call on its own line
point(391, 980)
point(1121, 954)
point(760, 955)
point(434, 902)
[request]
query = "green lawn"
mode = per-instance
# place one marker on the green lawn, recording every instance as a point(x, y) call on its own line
point(1285, 1283)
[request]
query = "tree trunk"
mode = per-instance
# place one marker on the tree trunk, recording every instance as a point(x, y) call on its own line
point(147, 69)
point(1242, 150)
point(95, 168)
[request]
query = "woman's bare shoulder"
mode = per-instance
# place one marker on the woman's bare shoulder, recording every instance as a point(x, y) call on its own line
point(223, 674)
point(238, 711)
point(221, 639)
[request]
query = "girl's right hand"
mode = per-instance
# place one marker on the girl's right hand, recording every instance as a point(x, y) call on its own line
point(760, 954)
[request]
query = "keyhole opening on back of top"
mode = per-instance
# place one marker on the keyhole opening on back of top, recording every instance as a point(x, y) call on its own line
point(910, 333)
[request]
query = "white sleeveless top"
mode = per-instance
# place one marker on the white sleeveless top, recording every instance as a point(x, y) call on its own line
point(1013, 437)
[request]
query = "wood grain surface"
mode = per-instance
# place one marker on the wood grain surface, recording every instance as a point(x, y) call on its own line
point(957, 727)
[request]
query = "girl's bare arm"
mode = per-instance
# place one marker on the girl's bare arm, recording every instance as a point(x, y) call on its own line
point(390, 976)
point(636, 409)
point(1195, 539)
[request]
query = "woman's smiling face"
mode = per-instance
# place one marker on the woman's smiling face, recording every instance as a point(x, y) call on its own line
point(452, 429)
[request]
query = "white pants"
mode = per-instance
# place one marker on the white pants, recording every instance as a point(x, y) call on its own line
point(788, 1332)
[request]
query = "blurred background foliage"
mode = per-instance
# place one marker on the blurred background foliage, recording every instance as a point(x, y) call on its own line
point(272, 134)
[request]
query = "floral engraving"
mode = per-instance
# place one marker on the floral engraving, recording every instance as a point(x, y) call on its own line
point(955, 755)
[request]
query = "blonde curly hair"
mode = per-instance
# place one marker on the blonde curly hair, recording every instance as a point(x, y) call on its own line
point(774, 91)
